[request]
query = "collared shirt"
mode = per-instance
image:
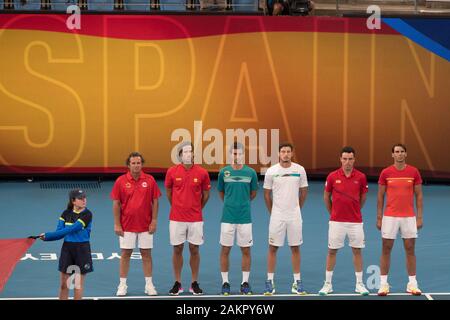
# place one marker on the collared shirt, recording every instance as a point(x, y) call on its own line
point(136, 199)
point(400, 190)
point(346, 194)
point(187, 189)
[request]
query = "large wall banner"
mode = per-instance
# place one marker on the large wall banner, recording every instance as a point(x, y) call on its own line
point(80, 95)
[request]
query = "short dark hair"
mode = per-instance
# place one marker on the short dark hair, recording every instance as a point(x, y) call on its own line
point(348, 149)
point(401, 145)
point(184, 144)
point(398, 145)
point(134, 154)
point(285, 144)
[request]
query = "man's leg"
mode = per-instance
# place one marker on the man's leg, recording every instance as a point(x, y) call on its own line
point(245, 264)
point(195, 266)
point(336, 239)
point(385, 261)
point(125, 262)
point(330, 264)
point(295, 239)
point(409, 245)
point(124, 267)
point(271, 259)
point(412, 286)
point(246, 259)
point(297, 285)
point(194, 260)
point(147, 266)
point(147, 263)
point(271, 262)
point(357, 259)
point(295, 259)
point(358, 264)
point(224, 267)
point(226, 240)
point(331, 260)
point(177, 261)
point(224, 259)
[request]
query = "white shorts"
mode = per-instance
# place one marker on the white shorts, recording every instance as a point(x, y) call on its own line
point(244, 236)
point(128, 241)
point(186, 231)
point(278, 230)
point(337, 231)
point(391, 225)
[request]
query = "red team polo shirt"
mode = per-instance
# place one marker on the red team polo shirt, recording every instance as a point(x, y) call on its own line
point(345, 195)
point(136, 199)
point(400, 190)
point(187, 187)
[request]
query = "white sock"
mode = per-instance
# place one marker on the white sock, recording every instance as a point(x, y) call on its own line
point(148, 281)
point(123, 281)
point(224, 277)
point(328, 276)
point(383, 279)
point(412, 279)
point(270, 276)
point(359, 276)
point(245, 276)
point(296, 276)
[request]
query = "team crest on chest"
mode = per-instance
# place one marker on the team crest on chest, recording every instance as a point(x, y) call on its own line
point(128, 185)
point(226, 174)
point(195, 180)
point(144, 184)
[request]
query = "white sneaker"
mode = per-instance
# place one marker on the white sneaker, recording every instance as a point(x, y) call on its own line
point(413, 288)
point(361, 289)
point(150, 290)
point(122, 290)
point(326, 289)
point(384, 289)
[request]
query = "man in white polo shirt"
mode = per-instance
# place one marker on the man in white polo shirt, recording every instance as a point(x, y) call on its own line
point(288, 185)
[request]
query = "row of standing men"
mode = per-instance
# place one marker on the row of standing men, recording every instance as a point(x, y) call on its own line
point(285, 191)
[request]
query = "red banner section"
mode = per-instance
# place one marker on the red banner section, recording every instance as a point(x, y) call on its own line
point(11, 250)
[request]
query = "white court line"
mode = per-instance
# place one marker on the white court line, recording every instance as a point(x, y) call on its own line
point(221, 297)
point(439, 293)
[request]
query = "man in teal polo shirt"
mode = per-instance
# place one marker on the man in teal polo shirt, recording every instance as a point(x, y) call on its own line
point(237, 185)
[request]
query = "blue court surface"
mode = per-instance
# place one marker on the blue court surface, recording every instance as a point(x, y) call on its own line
point(34, 207)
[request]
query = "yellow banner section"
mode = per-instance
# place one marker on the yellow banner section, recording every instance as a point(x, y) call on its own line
point(86, 102)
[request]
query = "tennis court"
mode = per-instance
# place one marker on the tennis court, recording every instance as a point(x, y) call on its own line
point(34, 207)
